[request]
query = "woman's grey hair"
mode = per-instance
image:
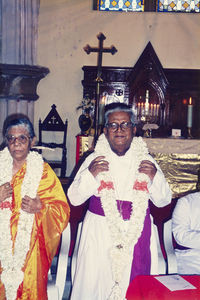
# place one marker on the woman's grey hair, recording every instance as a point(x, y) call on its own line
point(18, 120)
point(118, 106)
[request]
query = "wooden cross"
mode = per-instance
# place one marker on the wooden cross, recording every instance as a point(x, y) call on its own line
point(100, 50)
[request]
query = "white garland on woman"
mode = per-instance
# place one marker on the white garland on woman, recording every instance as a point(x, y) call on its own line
point(123, 242)
point(12, 257)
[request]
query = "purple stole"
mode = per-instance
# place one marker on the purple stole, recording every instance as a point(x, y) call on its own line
point(141, 263)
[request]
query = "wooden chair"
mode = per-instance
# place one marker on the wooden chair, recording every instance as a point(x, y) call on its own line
point(163, 222)
point(54, 123)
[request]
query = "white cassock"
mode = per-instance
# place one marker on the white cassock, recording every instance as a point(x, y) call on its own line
point(93, 277)
point(186, 230)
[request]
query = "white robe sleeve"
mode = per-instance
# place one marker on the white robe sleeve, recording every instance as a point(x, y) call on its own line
point(84, 184)
point(186, 221)
point(159, 190)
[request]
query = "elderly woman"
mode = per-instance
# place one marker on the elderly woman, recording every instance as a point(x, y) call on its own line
point(33, 213)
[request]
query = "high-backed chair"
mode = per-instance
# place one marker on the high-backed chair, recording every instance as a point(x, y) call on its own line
point(54, 123)
point(162, 221)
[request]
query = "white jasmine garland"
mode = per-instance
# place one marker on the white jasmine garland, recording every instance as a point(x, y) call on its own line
point(13, 255)
point(123, 241)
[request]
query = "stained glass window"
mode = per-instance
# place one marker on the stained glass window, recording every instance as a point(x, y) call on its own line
point(121, 5)
point(178, 5)
point(185, 6)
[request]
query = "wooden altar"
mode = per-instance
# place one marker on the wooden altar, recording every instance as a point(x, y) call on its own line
point(179, 160)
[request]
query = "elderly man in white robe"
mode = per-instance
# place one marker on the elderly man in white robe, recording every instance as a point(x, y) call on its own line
point(117, 241)
point(186, 230)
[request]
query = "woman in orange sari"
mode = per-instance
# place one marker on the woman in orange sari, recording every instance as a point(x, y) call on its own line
point(33, 213)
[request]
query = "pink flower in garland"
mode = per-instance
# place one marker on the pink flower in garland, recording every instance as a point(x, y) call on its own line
point(5, 204)
point(106, 185)
point(140, 186)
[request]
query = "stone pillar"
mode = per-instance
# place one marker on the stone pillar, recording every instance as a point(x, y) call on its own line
point(19, 74)
point(19, 19)
point(18, 90)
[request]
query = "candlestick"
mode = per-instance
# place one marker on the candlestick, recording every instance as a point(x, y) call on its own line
point(138, 109)
point(146, 109)
point(101, 110)
point(189, 113)
point(189, 133)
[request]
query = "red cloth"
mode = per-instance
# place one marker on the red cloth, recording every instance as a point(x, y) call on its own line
point(77, 148)
point(149, 288)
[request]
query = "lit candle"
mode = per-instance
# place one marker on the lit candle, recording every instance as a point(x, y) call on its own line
point(138, 109)
point(142, 108)
point(147, 103)
point(157, 110)
point(154, 110)
point(189, 113)
point(151, 110)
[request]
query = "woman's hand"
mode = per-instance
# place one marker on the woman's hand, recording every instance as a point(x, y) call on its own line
point(98, 165)
point(5, 191)
point(148, 168)
point(31, 205)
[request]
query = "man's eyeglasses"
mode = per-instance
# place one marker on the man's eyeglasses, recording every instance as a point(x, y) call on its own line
point(22, 139)
point(123, 126)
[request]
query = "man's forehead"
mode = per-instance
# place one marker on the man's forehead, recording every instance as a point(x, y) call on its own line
point(119, 115)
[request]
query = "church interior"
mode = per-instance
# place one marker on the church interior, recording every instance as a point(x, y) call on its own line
point(64, 28)
point(49, 68)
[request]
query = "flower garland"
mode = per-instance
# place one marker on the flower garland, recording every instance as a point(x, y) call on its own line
point(123, 241)
point(13, 254)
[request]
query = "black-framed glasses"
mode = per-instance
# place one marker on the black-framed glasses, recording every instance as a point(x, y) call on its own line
point(123, 126)
point(22, 139)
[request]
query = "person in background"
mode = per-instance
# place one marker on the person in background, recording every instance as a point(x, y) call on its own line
point(117, 241)
point(33, 213)
point(186, 231)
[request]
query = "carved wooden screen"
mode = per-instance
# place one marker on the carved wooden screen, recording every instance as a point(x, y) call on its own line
point(169, 91)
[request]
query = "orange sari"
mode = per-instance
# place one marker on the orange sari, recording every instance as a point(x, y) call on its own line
point(47, 228)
